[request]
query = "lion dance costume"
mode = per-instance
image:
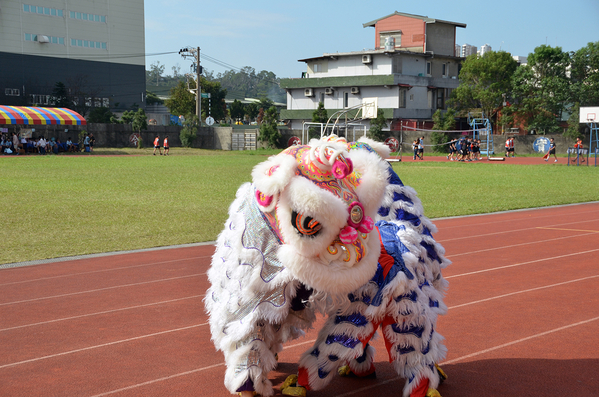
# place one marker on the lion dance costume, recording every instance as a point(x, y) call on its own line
point(327, 227)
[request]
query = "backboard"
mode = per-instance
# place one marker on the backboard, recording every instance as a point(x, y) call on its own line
point(589, 115)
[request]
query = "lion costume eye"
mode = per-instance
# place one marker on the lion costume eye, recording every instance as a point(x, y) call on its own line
point(305, 225)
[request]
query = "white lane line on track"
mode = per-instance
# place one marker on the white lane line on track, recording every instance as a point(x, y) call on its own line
point(288, 347)
point(520, 264)
point(378, 384)
point(519, 245)
point(511, 231)
point(586, 213)
point(101, 289)
point(551, 331)
point(104, 270)
point(99, 346)
point(524, 291)
point(158, 380)
point(183, 373)
point(100, 313)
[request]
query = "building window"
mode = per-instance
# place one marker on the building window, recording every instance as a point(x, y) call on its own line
point(42, 10)
point(100, 45)
point(12, 92)
point(87, 17)
point(40, 99)
point(402, 97)
point(317, 68)
point(346, 99)
point(445, 69)
point(440, 98)
point(322, 97)
point(391, 37)
point(429, 68)
point(51, 39)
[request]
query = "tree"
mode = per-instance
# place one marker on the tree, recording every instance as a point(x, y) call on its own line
point(442, 122)
point(575, 129)
point(152, 99)
point(249, 84)
point(268, 129)
point(100, 115)
point(251, 110)
point(127, 117)
point(376, 127)
point(60, 95)
point(189, 132)
point(216, 104)
point(320, 115)
point(156, 70)
point(180, 100)
point(484, 81)
point(140, 120)
point(584, 74)
point(541, 89)
point(236, 110)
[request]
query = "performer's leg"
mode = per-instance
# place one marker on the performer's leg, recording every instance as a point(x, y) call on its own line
point(343, 339)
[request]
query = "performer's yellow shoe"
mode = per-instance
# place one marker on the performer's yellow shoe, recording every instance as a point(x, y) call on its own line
point(294, 391)
point(291, 380)
point(253, 393)
point(290, 387)
point(344, 370)
point(432, 393)
point(442, 374)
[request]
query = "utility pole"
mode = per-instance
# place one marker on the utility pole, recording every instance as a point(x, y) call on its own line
point(195, 54)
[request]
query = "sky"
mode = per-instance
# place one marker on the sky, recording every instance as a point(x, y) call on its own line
point(274, 35)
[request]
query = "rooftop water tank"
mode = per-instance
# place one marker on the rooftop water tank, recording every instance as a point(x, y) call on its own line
point(390, 44)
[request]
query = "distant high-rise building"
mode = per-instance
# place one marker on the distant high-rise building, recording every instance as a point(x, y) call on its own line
point(467, 50)
point(484, 49)
point(520, 60)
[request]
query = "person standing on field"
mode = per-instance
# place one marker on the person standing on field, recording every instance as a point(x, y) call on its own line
point(166, 146)
point(551, 151)
point(157, 145)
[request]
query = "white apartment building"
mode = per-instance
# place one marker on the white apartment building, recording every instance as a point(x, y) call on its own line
point(467, 50)
point(408, 77)
point(484, 49)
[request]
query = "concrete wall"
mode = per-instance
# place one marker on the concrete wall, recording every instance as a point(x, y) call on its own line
point(118, 135)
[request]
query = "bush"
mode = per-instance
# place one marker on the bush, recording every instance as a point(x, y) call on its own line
point(189, 132)
point(268, 129)
point(443, 122)
point(376, 127)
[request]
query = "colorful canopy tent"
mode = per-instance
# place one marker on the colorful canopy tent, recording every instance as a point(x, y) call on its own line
point(39, 116)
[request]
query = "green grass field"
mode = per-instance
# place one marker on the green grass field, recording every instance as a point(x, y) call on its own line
point(56, 206)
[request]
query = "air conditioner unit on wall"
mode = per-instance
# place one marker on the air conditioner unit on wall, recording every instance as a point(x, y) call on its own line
point(308, 92)
point(328, 91)
point(355, 90)
point(366, 59)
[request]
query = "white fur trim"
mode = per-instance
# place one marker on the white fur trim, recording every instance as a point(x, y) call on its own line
point(383, 150)
point(276, 182)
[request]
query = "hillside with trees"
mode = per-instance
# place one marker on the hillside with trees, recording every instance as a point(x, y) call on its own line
point(245, 83)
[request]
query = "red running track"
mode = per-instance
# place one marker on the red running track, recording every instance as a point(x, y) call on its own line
point(523, 318)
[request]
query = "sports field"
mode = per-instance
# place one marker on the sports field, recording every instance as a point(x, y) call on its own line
point(57, 206)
